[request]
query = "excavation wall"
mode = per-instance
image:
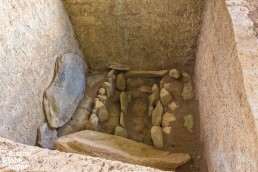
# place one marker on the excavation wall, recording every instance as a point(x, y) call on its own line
point(141, 34)
point(226, 82)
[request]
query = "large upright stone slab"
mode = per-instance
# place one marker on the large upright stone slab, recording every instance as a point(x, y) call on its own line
point(118, 148)
point(65, 92)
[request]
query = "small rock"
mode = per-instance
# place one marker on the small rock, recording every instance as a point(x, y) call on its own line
point(153, 99)
point(186, 77)
point(87, 103)
point(145, 89)
point(155, 89)
point(120, 131)
point(174, 73)
point(101, 111)
point(122, 119)
point(111, 81)
point(167, 130)
point(157, 136)
point(157, 114)
point(188, 93)
point(94, 111)
point(112, 74)
point(165, 97)
point(119, 67)
point(103, 99)
point(109, 89)
point(46, 136)
point(167, 86)
point(167, 118)
point(189, 122)
point(173, 106)
point(120, 82)
point(102, 91)
point(124, 102)
point(93, 122)
point(151, 108)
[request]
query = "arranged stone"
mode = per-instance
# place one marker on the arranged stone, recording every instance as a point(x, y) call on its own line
point(145, 89)
point(120, 82)
point(167, 86)
point(174, 73)
point(122, 123)
point(165, 97)
point(157, 136)
point(120, 131)
point(146, 74)
point(173, 106)
point(93, 122)
point(119, 67)
point(112, 74)
point(111, 81)
point(154, 97)
point(103, 99)
point(46, 136)
point(188, 93)
point(109, 89)
point(189, 122)
point(101, 111)
point(63, 95)
point(186, 77)
point(102, 91)
point(167, 130)
point(155, 89)
point(151, 108)
point(118, 148)
point(167, 118)
point(124, 102)
point(157, 114)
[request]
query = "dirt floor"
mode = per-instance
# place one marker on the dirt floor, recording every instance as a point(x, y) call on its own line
point(138, 123)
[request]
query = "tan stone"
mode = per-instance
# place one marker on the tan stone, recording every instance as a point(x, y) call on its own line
point(167, 119)
point(119, 67)
point(122, 118)
point(166, 130)
point(93, 122)
point(101, 111)
point(102, 91)
point(174, 73)
point(119, 148)
point(109, 89)
point(157, 114)
point(145, 89)
point(189, 122)
point(120, 82)
point(165, 97)
point(124, 102)
point(157, 136)
point(146, 74)
point(173, 106)
point(120, 131)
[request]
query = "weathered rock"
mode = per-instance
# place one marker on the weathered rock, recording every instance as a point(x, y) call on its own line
point(165, 97)
point(93, 122)
point(119, 148)
point(151, 108)
point(157, 114)
point(146, 74)
point(103, 99)
point(188, 93)
point(112, 74)
point(109, 89)
point(65, 92)
point(174, 73)
point(122, 119)
point(119, 67)
point(101, 111)
point(167, 118)
point(155, 90)
point(173, 106)
point(189, 122)
point(102, 91)
point(120, 82)
point(120, 131)
point(124, 102)
point(145, 89)
point(167, 130)
point(157, 136)
point(46, 136)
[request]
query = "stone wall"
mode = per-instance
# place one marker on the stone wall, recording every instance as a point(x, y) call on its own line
point(226, 83)
point(32, 34)
point(141, 34)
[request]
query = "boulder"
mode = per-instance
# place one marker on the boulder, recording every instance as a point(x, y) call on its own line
point(167, 119)
point(93, 122)
point(157, 114)
point(124, 102)
point(174, 73)
point(109, 89)
point(165, 97)
point(173, 106)
point(46, 136)
point(120, 82)
point(121, 149)
point(146, 74)
point(120, 131)
point(101, 111)
point(157, 136)
point(63, 95)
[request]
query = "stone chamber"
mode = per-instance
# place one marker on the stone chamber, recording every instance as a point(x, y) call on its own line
point(125, 85)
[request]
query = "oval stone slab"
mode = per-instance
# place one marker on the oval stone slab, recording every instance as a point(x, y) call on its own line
point(66, 90)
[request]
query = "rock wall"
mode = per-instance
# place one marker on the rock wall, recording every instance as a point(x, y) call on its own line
point(32, 34)
point(226, 84)
point(141, 34)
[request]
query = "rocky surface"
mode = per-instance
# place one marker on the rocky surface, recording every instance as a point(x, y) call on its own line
point(118, 148)
point(146, 74)
point(65, 92)
point(46, 136)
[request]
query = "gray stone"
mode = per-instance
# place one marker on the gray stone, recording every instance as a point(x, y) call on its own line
point(101, 111)
point(103, 99)
point(124, 102)
point(109, 89)
point(46, 136)
point(174, 73)
point(167, 130)
point(120, 131)
point(165, 97)
point(146, 74)
point(120, 82)
point(122, 122)
point(157, 114)
point(87, 103)
point(157, 136)
point(167, 119)
point(102, 91)
point(93, 122)
point(65, 92)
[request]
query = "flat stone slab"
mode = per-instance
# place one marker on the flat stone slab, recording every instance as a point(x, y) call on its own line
point(119, 67)
point(146, 74)
point(118, 148)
